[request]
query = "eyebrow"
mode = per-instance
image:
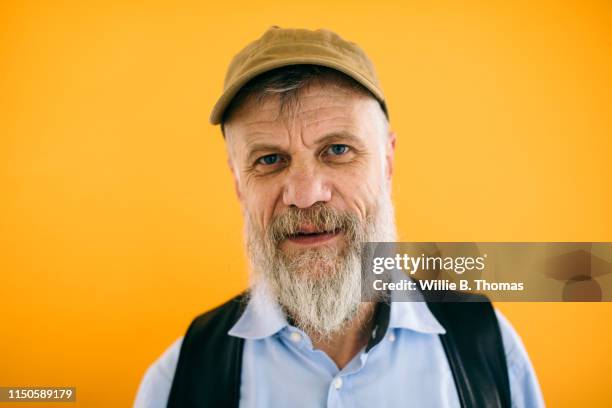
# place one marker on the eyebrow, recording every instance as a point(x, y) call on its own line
point(330, 138)
point(342, 136)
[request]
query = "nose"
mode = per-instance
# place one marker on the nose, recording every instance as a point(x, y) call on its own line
point(305, 186)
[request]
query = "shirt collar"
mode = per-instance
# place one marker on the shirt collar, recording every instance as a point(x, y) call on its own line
point(414, 316)
point(263, 318)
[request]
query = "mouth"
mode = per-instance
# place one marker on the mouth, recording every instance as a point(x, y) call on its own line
point(308, 235)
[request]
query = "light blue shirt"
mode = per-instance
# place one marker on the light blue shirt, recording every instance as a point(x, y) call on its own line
point(408, 367)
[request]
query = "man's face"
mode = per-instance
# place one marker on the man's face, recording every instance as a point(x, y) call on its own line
point(313, 181)
point(331, 148)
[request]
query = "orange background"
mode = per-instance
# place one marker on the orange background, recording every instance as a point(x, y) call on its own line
point(118, 220)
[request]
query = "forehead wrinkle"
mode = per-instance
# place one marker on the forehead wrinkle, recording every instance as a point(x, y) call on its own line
point(320, 116)
point(316, 98)
point(319, 122)
point(256, 137)
point(335, 111)
point(260, 122)
point(257, 140)
point(269, 109)
point(344, 121)
point(344, 110)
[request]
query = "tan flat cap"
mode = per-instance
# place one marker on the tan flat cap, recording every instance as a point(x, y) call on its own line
point(279, 47)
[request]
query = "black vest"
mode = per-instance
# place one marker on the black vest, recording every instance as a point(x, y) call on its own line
point(208, 371)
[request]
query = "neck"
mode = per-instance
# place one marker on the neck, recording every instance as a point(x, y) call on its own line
point(342, 346)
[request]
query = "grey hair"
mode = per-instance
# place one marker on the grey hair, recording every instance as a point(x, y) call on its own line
point(287, 82)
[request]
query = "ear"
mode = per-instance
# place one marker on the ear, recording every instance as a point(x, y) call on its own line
point(390, 154)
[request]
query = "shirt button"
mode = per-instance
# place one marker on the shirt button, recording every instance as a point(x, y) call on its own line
point(338, 383)
point(295, 337)
point(391, 337)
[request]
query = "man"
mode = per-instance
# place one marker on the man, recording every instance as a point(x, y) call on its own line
point(310, 149)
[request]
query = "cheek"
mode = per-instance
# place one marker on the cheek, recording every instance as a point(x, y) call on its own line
point(358, 187)
point(260, 202)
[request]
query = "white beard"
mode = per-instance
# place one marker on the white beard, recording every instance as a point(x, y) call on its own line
point(319, 288)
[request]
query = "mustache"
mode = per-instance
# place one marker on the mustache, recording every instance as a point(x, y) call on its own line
point(320, 217)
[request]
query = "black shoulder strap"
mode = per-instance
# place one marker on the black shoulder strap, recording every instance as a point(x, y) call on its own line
point(475, 352)
point(210, 361)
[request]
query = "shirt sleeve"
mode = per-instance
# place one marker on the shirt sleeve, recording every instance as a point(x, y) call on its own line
point(524, 388)
point(155, 385)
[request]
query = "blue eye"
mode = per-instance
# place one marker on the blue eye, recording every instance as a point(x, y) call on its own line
point(269, 159)
point(338, 149)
